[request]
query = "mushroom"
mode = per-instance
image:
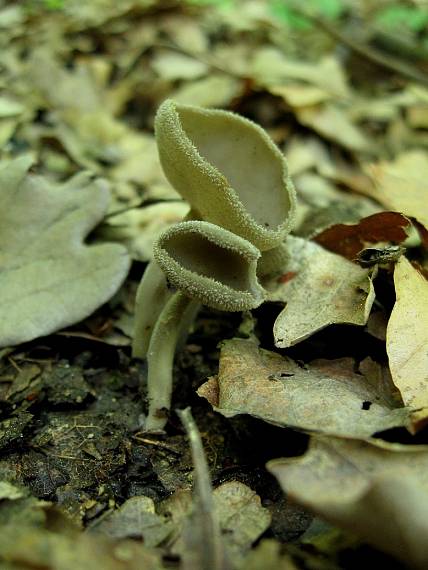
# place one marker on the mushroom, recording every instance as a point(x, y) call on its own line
point(237, 184)
point(233, 175)
point(228, 169)
point(205, 264)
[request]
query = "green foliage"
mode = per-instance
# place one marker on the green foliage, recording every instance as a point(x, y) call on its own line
point(288, 16)
point(37, 6)
point(288, 11)
point(53, 4)
point(397, 16)
point(216, 3)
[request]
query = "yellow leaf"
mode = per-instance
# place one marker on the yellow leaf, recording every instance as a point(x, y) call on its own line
point(407, 340)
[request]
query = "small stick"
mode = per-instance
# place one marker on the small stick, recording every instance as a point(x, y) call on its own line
point(203, 537)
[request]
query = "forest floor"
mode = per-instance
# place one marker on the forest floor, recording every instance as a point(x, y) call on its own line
point(341, 385)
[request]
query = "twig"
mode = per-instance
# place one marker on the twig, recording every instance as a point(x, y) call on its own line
point(155, 443)
point(204, 543)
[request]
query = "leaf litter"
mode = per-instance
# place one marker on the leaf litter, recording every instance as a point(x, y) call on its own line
point(81, 484)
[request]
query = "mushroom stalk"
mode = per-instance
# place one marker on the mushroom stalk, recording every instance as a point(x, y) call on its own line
point(152, 294)
point(160, 357)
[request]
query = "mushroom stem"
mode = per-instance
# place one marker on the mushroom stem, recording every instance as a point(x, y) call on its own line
point(160, 357)
point(152, 294)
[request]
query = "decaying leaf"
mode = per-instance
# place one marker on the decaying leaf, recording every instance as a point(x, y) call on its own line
point(136, 518)
point(349, 239)
point(320, 288)
point(49, 277)
point(36, 534)
point(401, 184)
point(407, 340)
point(242, 517)
point(326, 395)
point(32, 549)
point(377, 490)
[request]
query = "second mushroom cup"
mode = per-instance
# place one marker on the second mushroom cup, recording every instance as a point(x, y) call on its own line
point(242, 208)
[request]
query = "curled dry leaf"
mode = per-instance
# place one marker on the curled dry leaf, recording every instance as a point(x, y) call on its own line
point(325, 396)
point(349, 239)
point(320, 289)
point(383, 494)
point(49, 278)
point(407, 340)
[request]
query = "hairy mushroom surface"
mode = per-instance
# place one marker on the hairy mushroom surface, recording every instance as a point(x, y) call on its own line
point(228, 169)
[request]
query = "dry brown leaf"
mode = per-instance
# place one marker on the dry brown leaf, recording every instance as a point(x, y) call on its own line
point(170, 65)
point(325, 396)
point(214, 90)
point(334, 124)
point(271, 68)
point(407, 340)
point(242, 517)
point(297, 95)
point(378, 491)
point(320, 288)
point(401, 184)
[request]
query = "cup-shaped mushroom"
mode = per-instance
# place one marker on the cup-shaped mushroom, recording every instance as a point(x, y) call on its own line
point(228, 169)
point(210, 265)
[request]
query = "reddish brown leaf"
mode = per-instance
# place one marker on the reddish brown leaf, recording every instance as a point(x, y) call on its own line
point(349, 239)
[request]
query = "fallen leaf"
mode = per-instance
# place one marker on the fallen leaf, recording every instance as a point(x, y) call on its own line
point(10, 492)
point(242, 517)
point(136, 518)
point(270, 67)
point(172, 66)
point(349, 239)
point(407, 340)
point(213, 91)
point(326, 289)
point(33, 548)
point(378, 491)
point(334, 124)
point(300, 95)
point(50, 278)
point(401, 184)
point(325, 396)
point(140, 227)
